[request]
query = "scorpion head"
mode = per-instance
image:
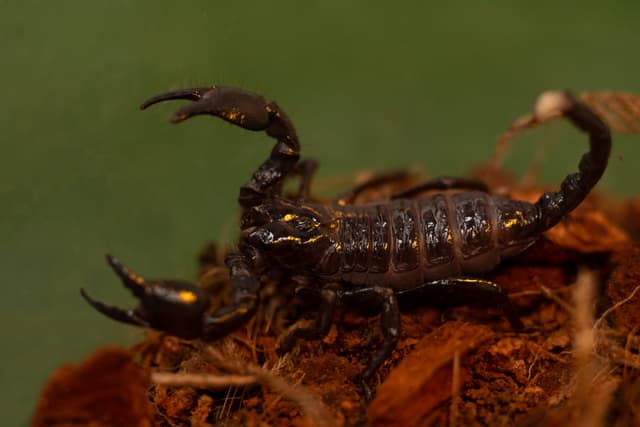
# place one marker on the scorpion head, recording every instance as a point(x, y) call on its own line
point(287, 232)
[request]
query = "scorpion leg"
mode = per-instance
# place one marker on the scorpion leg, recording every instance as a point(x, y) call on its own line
point(377, 180)
point(389, 321)
point(249, 111)
point(305, 169)
point(465, 290)
point(442, 183)
point(552, 206)
point(244, 300)
point(327, 299)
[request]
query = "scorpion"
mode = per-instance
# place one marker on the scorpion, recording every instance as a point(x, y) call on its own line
point(422, 241)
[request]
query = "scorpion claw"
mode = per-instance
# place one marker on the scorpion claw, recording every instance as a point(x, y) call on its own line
point(115, 313)
point(237, 106)
point(191, 94)
point(200, 106)
point(131, 280)
point(173, 306)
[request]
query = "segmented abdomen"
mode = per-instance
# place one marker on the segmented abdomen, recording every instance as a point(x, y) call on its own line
point(407, 242)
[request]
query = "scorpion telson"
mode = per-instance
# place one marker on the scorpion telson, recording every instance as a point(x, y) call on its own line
point(432, 245)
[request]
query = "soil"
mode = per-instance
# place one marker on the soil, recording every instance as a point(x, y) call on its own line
point(576, 362)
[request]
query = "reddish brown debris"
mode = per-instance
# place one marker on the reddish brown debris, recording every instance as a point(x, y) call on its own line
point(422, 381)
point(624, 280)
point(108, 389)
point(629, 216)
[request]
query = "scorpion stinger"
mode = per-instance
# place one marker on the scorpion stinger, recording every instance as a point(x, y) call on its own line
point(250, 111)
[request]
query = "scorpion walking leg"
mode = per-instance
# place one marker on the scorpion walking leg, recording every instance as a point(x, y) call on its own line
point(327, 303)
point(465, 290)
point(252, 112)
point(305, 169)
point(553, 206)
point(390, 322)
point(245, 295)
point(375, 181)
point(442, 183)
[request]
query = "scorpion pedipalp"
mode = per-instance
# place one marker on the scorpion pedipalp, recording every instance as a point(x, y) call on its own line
point(175, 306)
point(240, 107)
point(249, 111)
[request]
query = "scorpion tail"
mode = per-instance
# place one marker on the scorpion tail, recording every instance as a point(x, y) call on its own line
point(553, 206)
point(249, 111)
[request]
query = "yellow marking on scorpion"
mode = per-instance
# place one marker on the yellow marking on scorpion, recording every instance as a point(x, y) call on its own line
point(288, 239)
point(313, 239)
point(136, 279)
point(234, 116)
point(298, 240)
point(187, 296)
point(510, 223)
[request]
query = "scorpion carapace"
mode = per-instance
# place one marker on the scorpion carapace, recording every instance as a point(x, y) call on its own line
point(432, 246)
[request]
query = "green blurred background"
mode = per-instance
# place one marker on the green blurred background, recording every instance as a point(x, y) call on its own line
point(368, 86)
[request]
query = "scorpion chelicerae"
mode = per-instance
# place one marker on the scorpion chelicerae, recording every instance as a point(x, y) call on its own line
point(432, 245)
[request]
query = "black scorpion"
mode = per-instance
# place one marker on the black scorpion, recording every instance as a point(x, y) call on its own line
point(432, 246)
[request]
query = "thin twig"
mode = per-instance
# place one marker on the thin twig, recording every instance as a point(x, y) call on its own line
point(584, 335)
point(522, 123)
point(627, 350)
point(540, 155)
point(591, 402)
point(536, 356)
point(536, 292)
point(309, 404)
point(615, 307)
point(620, 110)
point(202, 380)
point(552, 296)
point(277, 400)
point(540, 350)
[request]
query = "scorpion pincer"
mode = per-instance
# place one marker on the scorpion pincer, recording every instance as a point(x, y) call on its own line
point(433, 246)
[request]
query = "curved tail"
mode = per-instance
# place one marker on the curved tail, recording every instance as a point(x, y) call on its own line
point(553, 206)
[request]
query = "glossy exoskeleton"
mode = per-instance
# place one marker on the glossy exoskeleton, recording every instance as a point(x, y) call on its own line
point(433, 246)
